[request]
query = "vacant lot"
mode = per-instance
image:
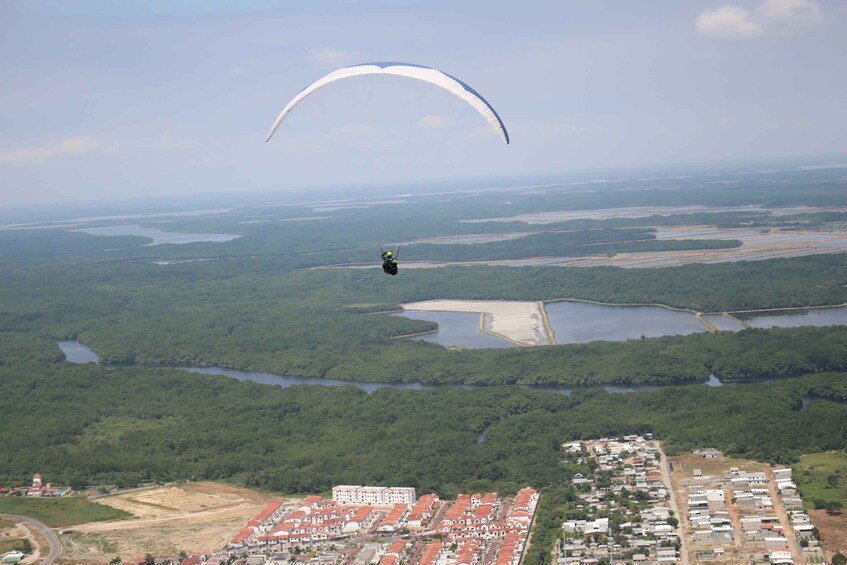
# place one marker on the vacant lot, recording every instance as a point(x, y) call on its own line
point(833, 531)
point(191, 517)
point(822, 476)
point(57, 512)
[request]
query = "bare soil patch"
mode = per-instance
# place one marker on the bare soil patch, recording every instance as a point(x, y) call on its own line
point(833, 530)
point(191, 517)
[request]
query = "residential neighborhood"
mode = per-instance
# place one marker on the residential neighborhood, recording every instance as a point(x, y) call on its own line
point(624, 510)
point(362, 525)
point(752, 514)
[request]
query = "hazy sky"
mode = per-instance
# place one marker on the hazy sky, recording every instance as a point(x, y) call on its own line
point(109, 99)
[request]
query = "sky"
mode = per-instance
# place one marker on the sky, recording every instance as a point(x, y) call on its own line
point(104, 100)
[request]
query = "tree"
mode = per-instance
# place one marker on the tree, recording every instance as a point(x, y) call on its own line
point(673, 522)
point(839, 559)
point(149, 560)
point(116, 561)
point(833, 507)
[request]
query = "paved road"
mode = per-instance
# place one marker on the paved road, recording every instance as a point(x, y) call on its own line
point(55, 544)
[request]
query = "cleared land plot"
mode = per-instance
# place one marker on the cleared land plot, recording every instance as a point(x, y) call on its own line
point(833, 531)
point(192, 517)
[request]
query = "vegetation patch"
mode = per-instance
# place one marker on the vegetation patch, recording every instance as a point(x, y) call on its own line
point(822, 479)
point(15, 544)
point(65, 511)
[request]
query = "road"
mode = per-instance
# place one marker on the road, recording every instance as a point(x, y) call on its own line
point(49, 535)
point(666, 479)
point(779, 510)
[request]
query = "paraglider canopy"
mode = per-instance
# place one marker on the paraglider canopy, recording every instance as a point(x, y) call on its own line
point(418, 72)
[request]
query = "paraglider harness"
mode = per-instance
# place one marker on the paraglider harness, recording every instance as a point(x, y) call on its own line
point(389, 261)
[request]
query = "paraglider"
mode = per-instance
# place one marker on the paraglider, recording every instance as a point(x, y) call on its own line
point(389, 261)
point(418, 72)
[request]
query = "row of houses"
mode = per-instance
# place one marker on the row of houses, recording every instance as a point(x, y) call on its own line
point(469, 527)
point(759, 533)
point(623, 512)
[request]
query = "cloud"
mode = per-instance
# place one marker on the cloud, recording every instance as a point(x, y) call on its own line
point(791, 14)
point(67, 147)
point(770, 16)
point(432, 122)
point(729, 22)
point(331, 57)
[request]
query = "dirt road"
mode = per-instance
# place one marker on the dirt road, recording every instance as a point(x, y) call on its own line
point(779, 510)
point(666, 479)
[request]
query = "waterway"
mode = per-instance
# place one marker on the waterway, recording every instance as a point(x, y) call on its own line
point(76, 352)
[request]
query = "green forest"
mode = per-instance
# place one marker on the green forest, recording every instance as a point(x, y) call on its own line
point(82, 425)
point(257, 303)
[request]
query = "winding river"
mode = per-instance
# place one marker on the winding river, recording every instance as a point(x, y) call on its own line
point(76, 352)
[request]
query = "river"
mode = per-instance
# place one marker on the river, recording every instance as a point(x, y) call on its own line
point(76, 352)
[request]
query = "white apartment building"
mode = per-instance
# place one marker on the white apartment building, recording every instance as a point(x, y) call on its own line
point(376, 496)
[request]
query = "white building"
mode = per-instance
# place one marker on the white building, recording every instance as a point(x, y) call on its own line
point(345, 494)
point(376, 496)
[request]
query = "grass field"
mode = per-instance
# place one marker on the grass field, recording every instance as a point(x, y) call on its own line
point(57, 512)
point(822, 476)
point(6, 524)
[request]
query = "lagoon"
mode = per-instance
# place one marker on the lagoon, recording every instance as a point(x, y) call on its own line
point(836, 315)
point(582, 322)
point(456, 329)
point(75, 352)
point(159, 237)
